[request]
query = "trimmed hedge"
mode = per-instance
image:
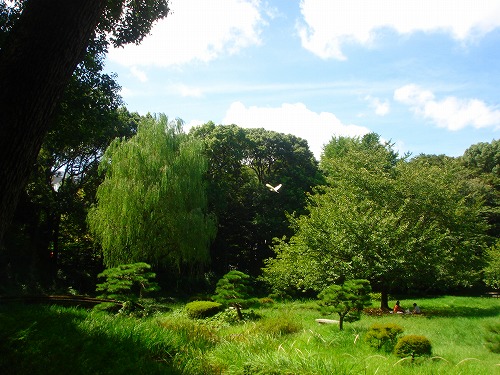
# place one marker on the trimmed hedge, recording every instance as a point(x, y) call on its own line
point(202, 309)
point(413, 346)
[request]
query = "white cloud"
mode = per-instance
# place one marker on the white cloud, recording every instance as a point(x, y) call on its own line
point(451, 112)
point(196, 30)
point(187, 91)
point(139, 74)
point(126, 92)
point(317, 128)
point(328, 24)
point(380, 107)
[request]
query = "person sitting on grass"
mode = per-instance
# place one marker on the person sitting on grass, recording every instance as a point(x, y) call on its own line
point(416, 309)
point(398, 309)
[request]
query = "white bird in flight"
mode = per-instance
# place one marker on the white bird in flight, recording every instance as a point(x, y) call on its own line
point(274, 188)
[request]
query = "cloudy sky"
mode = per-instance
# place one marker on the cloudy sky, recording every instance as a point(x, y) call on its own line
point(424, 74)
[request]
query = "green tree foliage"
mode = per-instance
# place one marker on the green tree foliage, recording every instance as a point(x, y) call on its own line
point(152, 204)
point(347, 300)
point(492, 269)
point(403, 225)
point(241, 162)
point(49, 243)
point(483, 162)
point(127, 282)
point(41, 43)
point(234, 290)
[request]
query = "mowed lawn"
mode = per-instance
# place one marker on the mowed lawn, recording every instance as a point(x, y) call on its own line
point(276, 338)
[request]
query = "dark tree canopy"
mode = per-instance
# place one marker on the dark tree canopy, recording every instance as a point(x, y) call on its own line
point(483, 162)
point(41, 44)
point(241, 162)
point(49, 232)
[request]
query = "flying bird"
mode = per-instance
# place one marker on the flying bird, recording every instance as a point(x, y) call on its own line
point(274, 188)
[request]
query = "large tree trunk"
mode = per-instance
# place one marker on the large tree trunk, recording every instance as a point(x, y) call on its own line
point(36, 62)
point(384, 300)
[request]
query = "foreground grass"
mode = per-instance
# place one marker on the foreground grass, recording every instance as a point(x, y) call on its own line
point(57, 340)
point(280, 339)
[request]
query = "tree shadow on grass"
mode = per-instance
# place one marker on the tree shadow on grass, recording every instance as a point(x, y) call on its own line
point(479, 308)
point(49, 340)
point(462, 312)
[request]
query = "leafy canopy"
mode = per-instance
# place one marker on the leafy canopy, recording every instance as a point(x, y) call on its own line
point(492, 270)
point(241, 162)
point(152, 204)
point(400, 224)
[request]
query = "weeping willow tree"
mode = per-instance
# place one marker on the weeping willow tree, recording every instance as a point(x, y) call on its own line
point(151, 206)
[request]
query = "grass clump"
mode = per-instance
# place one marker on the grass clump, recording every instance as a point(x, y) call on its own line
point(413, 346)
point(190, 333)
point(278, 326)
point(493, 338)
point(383, 336)
point(202, 309)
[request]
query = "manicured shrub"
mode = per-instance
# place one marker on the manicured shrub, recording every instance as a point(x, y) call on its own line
point(202, 309)
point(413, 346)
point(199, 297)
point(383, 336)
point(234, 289)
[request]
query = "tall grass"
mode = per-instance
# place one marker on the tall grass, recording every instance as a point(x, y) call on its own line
point(57, 340)
point(283, 338)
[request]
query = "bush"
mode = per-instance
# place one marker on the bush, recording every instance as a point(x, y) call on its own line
point(266, 301)
point(383, 336)
point(202, 309)
point(413, 346)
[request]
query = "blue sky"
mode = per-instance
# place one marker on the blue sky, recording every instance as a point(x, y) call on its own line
point(424, 74)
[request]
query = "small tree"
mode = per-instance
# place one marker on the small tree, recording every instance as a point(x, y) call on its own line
point(233, 290)
point(347, 300)
point(127, 282)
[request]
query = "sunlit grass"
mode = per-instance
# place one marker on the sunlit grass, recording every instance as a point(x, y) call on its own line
point(281, 338)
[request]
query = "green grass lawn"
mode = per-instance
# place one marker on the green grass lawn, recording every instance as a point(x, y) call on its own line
point(280, 338)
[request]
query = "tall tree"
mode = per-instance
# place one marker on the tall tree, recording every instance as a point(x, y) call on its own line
point(483, 162)
point(241, 162)
point(49, 230)
point(152, 204)
point(406, 227)
point(38, 55)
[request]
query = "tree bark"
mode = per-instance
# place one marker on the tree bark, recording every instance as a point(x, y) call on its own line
point(384, 300)
point(36, 62)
